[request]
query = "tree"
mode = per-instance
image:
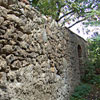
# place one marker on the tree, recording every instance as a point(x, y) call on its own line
point(94, 51)
point(92, 69)
point(71, 10)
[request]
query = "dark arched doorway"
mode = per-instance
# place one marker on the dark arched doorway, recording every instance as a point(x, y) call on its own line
point(79, 51)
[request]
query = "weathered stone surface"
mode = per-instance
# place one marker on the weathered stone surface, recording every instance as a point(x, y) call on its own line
point(3, 11)
point(3, 63)
point(6, 3)
point(38, 59)
point(14, 18)
point(10, 58)
point(7, 49)
point(1, 20)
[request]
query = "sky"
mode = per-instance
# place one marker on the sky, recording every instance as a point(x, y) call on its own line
point(85, 32)
point(81, 30)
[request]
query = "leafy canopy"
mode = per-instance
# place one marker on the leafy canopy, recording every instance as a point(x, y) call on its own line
point(71, 10)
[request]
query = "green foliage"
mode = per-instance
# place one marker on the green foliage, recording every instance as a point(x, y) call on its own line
point(72, 10)
point(35, 2)
point(93, 61)
point(92, 23)
point(95, 80)
point(94, 51)
point(73, 98)
point(89, 72)
point(80, 92)
point(48, 7)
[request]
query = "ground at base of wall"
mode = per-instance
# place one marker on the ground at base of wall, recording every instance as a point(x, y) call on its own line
point(87, 91)
point(94, 94)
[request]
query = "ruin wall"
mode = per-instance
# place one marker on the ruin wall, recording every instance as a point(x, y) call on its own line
point(38, 59)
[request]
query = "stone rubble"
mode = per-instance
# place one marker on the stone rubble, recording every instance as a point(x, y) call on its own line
point(38, 59)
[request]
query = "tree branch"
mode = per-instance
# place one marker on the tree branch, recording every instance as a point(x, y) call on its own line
point(59, 9)
point(65, 15)
point(65, 19)
point(77, 22)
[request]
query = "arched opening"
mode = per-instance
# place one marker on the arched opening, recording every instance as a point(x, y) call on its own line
point(79, 51)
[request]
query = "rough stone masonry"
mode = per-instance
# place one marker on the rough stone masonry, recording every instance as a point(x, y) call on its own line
point(38, 59)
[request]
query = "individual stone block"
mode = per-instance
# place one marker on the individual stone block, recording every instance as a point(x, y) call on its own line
point(3, 64)
point(7, 49)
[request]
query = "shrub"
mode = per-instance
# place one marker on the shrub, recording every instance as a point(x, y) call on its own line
point(93, 59)
point(80, 92)
point(95, 80)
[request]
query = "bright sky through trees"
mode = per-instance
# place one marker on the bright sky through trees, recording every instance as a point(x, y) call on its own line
point(73, 11)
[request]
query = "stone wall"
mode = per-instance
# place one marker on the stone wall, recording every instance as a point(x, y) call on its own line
point(38, 59)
